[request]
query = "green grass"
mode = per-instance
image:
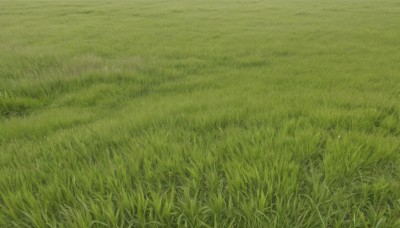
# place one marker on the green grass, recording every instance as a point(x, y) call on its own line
point(275, 113)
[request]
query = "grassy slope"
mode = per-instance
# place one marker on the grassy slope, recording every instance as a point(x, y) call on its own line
point(200, 113)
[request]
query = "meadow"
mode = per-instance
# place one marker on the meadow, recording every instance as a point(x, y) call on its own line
point(200, 113)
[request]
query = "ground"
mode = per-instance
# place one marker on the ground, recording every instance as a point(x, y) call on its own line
point(200, 113)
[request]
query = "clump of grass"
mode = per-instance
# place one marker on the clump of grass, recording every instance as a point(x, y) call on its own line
point(16, 106)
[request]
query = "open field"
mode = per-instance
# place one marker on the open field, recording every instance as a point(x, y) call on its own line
point(200, 113)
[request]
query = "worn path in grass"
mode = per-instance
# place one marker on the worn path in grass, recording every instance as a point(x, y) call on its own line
point(200, 113)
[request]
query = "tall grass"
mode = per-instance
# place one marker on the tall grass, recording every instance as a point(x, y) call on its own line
point(199, 113)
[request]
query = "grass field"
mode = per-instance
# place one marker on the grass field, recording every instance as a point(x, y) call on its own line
point(200, 113)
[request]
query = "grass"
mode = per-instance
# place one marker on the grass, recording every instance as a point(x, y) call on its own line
point(199, 113)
